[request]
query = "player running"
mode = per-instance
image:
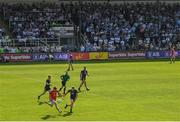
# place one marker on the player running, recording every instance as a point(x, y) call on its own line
point(64, 79)
point(172, 55)
point(70, 61)
point(73, 96)
point(53, 96)
point(47, 87)
point(83, 75)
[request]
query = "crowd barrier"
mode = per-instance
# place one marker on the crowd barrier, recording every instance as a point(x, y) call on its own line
point(160, 54)
point(127, 55)
point(87, 56)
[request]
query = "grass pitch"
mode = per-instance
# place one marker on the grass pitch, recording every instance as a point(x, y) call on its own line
point(118, 91)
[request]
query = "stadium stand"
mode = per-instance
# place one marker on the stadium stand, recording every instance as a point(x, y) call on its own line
point(104, 26)
point(147, 26)
point(34, 21)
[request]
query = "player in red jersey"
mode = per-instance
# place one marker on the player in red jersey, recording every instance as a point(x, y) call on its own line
point(172, 55)
point(53, 96)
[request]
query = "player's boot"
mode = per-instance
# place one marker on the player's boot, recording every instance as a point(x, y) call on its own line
point(71, 110)
point(59, 111)
point(38, 97)
point(66, 106)
point(87, 89)
point(79, 89)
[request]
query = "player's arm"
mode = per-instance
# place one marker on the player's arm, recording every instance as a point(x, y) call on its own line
point(48, 83)
point(80, 75)
point(61, 77)
point(76, 95)
point(87, 73)
point(68, 77)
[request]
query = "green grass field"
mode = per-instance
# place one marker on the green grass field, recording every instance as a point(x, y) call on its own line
point(118, 91)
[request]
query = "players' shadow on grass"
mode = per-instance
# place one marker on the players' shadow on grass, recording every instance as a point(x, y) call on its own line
point(46, 117)
point(40, 103)
point(67, 114)
point(44, 102)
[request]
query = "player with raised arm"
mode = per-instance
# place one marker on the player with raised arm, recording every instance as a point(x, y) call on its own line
point(53, 96)
point(172, 55)
point(70, 61)
point(64, 79)
point(83, 75)
point(73, 96)
point(47, 86)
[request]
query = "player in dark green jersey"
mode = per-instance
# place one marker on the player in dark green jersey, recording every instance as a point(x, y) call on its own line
point(64, 78)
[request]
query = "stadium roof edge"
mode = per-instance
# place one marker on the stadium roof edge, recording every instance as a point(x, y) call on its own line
point(66, 1)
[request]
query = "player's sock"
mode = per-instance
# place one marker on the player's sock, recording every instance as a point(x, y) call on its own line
point(60, 89)
point(64, 90)
point(66, 106)
point(71, 110)
point(59, 111)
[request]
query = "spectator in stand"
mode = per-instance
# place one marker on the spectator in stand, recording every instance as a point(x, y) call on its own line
point(3, 36)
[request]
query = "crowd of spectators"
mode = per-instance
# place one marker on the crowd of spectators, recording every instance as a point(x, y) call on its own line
point(139, 26)
point(105, 26)
point(40, 49)
point(35, 21)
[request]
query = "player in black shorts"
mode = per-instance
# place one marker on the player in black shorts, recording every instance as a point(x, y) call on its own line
point(64, 79)
point(70, 61)
point(83, 75)
point(47, 87)
point(73, 96)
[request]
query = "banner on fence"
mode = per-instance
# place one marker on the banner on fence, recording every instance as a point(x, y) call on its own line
point(160, 54)
point(98, 55)
point(126, 55)
point(80, 56)
point(60, 56)
point(40, 56)
point(17, 57)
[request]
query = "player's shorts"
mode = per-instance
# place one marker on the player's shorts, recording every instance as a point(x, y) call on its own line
point(70, 61)
point(173, 56)
point(72, 98)
point(47, 88)
point(63, 83)
point(83, 78)
point(53, 101)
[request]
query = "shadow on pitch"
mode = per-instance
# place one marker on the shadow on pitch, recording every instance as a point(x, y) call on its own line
point(44, 102)
point(46, 117)
point(67, 114)
point(40, 103)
